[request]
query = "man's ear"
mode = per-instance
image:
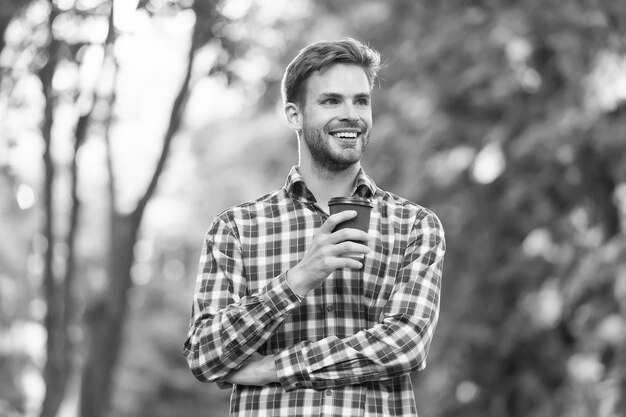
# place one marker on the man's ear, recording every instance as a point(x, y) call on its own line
point(294, 116)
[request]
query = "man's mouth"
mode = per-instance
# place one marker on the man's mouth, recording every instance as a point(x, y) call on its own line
point(345, 134)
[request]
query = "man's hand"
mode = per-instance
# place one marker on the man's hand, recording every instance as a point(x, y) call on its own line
point(328, 252)
point(258, 370)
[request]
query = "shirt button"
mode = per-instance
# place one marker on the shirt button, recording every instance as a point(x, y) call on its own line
point(285, 303)
point(329, 393)
point(330, 308)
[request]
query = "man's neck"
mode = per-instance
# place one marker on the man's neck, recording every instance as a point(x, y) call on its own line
point(325, 184)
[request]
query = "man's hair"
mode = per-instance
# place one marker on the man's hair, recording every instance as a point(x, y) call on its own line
point(320, 55)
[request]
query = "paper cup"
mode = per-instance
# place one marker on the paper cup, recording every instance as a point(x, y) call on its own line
point(362, 206)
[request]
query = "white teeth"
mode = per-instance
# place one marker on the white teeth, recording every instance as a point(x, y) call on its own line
point(351, 135)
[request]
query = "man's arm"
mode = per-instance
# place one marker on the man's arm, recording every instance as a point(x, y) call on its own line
point(228, 327)
point(398, 344)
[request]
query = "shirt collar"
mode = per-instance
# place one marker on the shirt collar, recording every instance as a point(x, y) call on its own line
point(364, 186)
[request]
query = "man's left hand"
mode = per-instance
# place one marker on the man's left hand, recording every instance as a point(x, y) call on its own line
point(258, 370)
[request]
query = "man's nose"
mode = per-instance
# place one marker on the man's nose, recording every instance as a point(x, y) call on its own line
point(350, 112)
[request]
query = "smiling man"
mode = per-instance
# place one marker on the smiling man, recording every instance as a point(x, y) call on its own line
point(282, 313)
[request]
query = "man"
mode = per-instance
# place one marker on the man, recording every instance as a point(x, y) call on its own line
point(281, 312)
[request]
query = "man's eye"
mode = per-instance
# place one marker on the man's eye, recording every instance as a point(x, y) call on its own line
point(362, 102)
point(330, 101)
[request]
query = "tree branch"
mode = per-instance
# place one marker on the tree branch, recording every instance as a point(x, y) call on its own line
point(176, 116)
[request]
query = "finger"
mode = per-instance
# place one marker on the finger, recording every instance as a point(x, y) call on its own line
point(345, 262)
point(337, 218)
point(350, 247)
point(349, 234)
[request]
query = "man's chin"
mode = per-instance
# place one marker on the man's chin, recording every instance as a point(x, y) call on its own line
point(343, 163)
point(336, 155)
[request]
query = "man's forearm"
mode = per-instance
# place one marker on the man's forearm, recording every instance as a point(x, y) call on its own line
point(219, 343)
point(258, 370)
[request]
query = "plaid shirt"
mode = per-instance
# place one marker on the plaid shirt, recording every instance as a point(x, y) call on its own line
point(347, 349)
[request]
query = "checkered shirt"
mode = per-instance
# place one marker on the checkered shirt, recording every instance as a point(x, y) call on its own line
point(348, 347)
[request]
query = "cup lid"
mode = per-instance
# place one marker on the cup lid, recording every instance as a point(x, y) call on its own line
point(359, 201)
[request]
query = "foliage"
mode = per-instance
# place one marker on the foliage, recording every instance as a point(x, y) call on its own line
point(506, 118)
point(495, 107)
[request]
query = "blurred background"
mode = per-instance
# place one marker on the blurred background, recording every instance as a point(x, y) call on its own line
point(126, 126)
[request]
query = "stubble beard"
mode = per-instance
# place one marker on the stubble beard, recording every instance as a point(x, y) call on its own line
point(324, 157)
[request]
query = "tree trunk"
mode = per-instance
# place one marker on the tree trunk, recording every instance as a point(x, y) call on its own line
point(55, 372)
point(106, 317)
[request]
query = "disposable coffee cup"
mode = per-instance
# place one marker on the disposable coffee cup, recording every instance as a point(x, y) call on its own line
point(363, 208)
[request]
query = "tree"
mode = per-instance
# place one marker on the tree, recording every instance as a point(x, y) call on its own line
point(105, 317)
point(55, 373)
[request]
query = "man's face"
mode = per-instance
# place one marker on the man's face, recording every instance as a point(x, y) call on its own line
point(337, 116)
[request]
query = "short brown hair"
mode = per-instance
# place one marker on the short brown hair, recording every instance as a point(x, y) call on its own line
point(320, 55)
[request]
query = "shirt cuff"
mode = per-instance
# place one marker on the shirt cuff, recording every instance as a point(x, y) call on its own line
point(291, 368)
point(300, 297)
point(279, 296)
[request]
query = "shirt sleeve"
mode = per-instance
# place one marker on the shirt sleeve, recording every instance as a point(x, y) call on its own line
point(227, 326)
point(398, 344)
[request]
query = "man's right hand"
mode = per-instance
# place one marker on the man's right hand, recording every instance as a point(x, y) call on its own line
point(328, 252)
